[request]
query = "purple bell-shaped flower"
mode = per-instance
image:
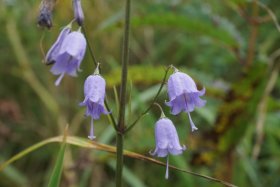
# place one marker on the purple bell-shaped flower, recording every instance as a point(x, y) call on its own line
point(167, 141)
point(184, 95)
point(78, 12)
point(69, 56)
point(94, 91)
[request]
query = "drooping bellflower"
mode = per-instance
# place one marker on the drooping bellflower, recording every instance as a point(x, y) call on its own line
point(167, 141)
point(94, 92)
point(78, 12)
point(69, 56)
point(184, 95)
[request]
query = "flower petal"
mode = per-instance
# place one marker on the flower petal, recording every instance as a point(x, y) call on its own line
point(94, 88)
point(53, 51)
point(167, 140)
point(74, 45)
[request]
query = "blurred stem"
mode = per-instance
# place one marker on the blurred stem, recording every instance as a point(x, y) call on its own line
point(111, 117)
point(271, 14)
point(121, 121)
point(26, 69)
point(253, 35)
point(262, 109)
point(154, 100)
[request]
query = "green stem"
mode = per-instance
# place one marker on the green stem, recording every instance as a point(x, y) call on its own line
point(124, 68)
point(253, 35)
point(25, 66)
point(154, 100)
point(112, 119)
point(119, 160)
point(121, 121)
point(162, 115)
point(89, 47)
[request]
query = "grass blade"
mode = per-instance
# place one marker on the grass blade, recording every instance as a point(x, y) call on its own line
point(56, 174)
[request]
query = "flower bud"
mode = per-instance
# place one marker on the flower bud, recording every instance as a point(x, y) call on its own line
point(78, 12)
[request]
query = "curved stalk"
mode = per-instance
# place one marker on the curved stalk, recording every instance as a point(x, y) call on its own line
point(154, 100)
point(89, 46)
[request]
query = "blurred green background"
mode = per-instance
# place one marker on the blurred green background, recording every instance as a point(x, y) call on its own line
point(230, 47)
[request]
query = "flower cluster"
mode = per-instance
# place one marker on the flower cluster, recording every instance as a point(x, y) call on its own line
point(66, 55)
point(184, 96)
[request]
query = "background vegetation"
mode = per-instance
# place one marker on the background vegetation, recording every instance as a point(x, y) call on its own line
point(231, 47)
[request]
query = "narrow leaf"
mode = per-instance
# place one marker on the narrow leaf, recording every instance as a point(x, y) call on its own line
point(56, 174)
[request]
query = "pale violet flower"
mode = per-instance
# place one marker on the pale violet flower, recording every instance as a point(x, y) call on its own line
point(184, 95)
point(78, 12)
point(94, 92)
point(69, 56)
point(53, 51)
point(167, 141)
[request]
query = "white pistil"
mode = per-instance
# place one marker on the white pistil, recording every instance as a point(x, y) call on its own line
point(194, 128)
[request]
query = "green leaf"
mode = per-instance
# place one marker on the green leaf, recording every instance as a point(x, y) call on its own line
point(56, 174)
point(144, 74)
point(188, 24)
point(13, 177)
